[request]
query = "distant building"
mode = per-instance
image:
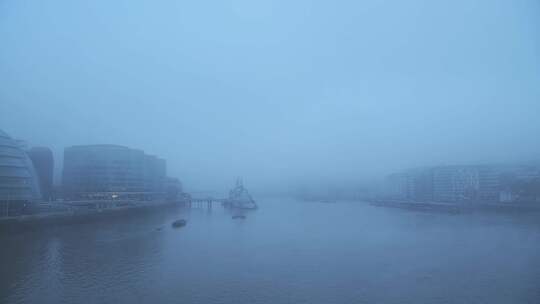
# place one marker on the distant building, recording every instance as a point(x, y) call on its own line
point(43, 161)
point(519, 183)
point(414, 184)
point(93, 171)
point(399, 186)
point(18, 180)
point(455, 183)
point(154, 174)
point(173, 188)
point(487, 183)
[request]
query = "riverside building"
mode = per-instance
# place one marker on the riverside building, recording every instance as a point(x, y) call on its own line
point(19, 183)
point(112, 171)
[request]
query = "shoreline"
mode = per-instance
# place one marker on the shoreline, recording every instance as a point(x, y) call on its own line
point(76, 215)
point(458, 207)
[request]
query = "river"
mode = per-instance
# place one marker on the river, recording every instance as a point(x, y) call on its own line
point(286, 252)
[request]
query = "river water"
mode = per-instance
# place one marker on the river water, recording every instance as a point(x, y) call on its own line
point(285, 252)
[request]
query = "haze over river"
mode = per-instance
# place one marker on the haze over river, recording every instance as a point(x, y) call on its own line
point(286, 252)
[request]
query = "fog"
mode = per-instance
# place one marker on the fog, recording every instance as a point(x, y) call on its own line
point(279, 92)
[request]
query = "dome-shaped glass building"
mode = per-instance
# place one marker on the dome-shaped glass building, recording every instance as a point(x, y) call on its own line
point(18, 180)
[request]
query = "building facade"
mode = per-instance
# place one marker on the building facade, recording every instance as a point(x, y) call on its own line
point(93, 171)
point(173, 188)
point(455, 183)
point(43, 161)
point(19, 183)
point(399, 186)
point(475, 183)
point(413, 185)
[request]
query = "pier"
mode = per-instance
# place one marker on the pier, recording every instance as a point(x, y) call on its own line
point(202, 203)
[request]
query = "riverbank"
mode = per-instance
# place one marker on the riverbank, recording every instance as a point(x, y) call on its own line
point(458, 207)
point(77, 214)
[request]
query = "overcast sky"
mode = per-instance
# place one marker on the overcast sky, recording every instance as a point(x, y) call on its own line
point(276, 91)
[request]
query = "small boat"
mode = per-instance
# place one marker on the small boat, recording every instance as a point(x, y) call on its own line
point(179, 223)
point(239, 216)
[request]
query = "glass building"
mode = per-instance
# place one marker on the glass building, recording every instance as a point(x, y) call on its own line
point(106, 171)
point(43, 161)
point(19, 183)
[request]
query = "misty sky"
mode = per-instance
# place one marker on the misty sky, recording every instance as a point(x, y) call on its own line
point(276, 91)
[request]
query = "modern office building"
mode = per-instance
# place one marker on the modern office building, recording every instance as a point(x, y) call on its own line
point(490, 182)
point(514, 183)
point(399, 185)
point(173, 188)
point(103, 171)
point(441, 184)
point(19, 183)
point(473, 183)
point(414, 184)
point(43, 161)
point(154, 174)
point(455, 183)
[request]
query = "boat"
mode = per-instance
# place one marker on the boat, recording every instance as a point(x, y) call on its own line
point(239, 197)
point(179, 223)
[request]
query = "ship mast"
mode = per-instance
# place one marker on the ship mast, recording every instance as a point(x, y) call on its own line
point(239, 183)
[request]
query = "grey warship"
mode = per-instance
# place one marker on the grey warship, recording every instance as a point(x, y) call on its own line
point(239, 197)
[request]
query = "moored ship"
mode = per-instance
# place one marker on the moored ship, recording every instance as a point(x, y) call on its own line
point(240, 198)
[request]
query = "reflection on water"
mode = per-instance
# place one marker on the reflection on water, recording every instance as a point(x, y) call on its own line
point(285, 252)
